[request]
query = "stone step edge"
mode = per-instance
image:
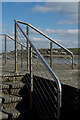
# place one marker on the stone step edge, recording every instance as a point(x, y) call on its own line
point(10, 98)
point(12, 85)
point(13, 74)
point(13, 113)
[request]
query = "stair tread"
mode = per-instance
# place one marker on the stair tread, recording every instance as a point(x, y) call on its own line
point(14, 113)
point(16, 84)
point(9, 78)
point(3, 115)
point(10, 98)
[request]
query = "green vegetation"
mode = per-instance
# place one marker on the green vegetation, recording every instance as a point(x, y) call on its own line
point(76, 51)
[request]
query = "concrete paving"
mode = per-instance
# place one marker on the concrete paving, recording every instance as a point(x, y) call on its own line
point(64, 72)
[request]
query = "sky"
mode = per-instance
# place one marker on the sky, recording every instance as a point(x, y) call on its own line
point(59, 20)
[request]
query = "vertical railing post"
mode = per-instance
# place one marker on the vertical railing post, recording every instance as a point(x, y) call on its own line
point(72, 61)
point(15, 47)
point(21, 56)
point(51, 54)
point(31, 78)
point(5, 51)
point(59, 103)
point(58, 107)
point(27, 49)
point(37, 61)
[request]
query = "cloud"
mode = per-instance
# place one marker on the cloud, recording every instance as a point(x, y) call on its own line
point(68, 38)
point(69, 10)
point(50, 31)
point(7, 31)
point(61, 32)
point(37, 39)
point(57, 7)
point(34, 32)
point(44, 9)
point(39, 42)
point(67, 22)
point(43, 43)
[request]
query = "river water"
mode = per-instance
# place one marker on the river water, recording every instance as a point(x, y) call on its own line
point(63, 60)
point(60, 60)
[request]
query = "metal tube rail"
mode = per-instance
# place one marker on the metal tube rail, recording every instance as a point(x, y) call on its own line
point(17, 42)
point(5, 52)
point(45, 36)
point(50, 40)
point(15, 36)
point(45, 63)
point(27, 49)
point(13, 39)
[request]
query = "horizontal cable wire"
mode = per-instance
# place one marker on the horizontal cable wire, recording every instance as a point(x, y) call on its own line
point(45, 89)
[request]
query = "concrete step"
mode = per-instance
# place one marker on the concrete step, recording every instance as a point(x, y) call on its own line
point(11, 114)
point(15, 99)
point(11, 87)
point(6, 98)
point(10, 101)
point(17, 84)
point(11, 78)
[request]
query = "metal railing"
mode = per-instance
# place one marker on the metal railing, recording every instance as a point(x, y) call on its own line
point(8, 55)
point(45, 91)
point(40, 78)
point(51, 44)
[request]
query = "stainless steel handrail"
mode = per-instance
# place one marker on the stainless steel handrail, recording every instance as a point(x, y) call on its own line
point(45, 63)
point(50, 39)
point(13, 39)
point(45, 36)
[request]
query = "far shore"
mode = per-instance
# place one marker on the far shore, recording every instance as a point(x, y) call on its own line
point(64, 56)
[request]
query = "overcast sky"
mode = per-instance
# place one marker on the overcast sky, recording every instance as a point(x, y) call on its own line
point(59, 20)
